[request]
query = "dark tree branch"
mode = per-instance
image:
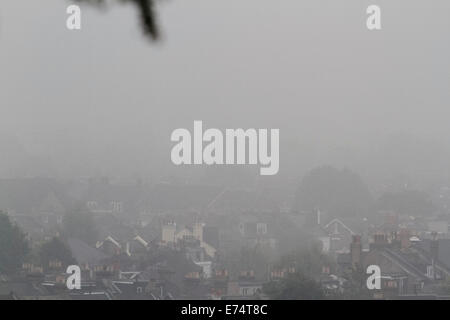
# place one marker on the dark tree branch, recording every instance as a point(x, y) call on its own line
point(147, 15)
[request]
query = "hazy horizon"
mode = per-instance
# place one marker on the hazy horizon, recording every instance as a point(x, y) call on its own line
point(103, 101)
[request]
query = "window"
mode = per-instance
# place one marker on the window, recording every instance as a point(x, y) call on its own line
point(261, 228)
point(92, 204)
point(242, 228)
point(392, 284)
point(117, 206)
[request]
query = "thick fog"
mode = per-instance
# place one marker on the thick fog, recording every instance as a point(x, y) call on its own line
point(104, 100)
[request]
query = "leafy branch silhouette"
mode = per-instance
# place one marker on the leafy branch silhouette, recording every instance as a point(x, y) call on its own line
point(147, 15)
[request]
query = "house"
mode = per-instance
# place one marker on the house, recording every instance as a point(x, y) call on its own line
point(332, 284)
point(180, 276)
point(340, 235)
point(110, 246)
point(85, 254)
point(103, 198)
point(137, 246)
point(21, 289)
point(406, 267)
point(281, 273)
point(219, 283)
point(133, 289)
point(256, 232)
point(94, 262)
point(172, 236)
point(244, 288)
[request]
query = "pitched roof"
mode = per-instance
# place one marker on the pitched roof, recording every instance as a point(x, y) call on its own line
point(338, 221)
point(405, 264)
point(84, 253)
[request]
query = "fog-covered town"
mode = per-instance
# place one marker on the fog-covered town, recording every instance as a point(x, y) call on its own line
point(224, 150)
point(188, 241)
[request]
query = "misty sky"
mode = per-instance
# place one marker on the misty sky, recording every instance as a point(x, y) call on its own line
point(105, 100)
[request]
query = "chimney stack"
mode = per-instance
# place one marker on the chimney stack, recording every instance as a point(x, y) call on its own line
point(434, 247)
point(356, 251)
point(404, 236)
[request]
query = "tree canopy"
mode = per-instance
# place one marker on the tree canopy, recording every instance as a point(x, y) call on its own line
point(80, 225)
point(55, 249)
point(339, 192)
point(295, 287)
point(307, 261)
point(13, 246)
